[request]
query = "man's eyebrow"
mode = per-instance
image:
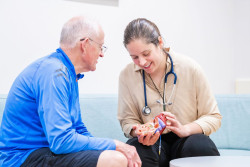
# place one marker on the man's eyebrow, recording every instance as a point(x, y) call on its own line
point(133, 55)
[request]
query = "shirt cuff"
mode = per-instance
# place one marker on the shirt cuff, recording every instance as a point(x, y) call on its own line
point(205, 129)
point(127, 129)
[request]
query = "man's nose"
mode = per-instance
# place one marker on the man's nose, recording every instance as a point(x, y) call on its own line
point(101, 54)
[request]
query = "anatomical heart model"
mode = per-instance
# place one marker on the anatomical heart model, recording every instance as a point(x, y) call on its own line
point(158, 124)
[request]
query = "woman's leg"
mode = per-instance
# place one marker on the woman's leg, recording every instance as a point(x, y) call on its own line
point(194, 145)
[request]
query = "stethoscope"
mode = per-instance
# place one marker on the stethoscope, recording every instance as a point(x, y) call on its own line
point(146, 109)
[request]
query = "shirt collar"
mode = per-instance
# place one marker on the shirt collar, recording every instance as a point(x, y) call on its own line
point(69, 64)
point(79, 76)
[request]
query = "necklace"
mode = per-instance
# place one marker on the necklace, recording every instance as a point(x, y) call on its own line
point(155, 86)
point(162, 96)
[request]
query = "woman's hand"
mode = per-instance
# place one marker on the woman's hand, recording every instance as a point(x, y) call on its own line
point(148, 138)
point(181, 130)
point(175, 126)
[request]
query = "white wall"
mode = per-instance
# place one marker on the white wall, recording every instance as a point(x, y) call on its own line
point(213, 32)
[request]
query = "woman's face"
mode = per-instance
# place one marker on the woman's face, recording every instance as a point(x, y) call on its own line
point(147, 56)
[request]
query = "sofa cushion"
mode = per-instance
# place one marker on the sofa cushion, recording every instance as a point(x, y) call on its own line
point(230, 152)
point(234, 132)
point(99, 114)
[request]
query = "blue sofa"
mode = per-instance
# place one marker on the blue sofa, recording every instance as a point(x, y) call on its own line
point(233, 138)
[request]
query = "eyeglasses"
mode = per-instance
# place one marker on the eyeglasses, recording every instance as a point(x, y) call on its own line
point(102, 47)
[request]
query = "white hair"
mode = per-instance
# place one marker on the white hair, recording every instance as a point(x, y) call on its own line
point(77, 28)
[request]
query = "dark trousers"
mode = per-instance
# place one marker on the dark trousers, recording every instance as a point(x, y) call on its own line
point(173, 147)
point(43, 157)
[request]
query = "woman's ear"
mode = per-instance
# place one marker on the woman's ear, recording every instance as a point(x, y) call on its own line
point(161, 43)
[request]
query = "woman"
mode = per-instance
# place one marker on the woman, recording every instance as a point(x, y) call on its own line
point(188, 105)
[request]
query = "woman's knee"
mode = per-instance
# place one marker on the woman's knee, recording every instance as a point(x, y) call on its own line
point(112, 158)
point(199, 145)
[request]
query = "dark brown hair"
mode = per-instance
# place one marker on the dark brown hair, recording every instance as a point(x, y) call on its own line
point(141, 28)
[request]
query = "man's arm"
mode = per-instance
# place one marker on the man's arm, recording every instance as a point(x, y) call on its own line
point(56, 114)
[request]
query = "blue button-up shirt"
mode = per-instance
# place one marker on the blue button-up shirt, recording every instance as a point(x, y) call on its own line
point(42, 110)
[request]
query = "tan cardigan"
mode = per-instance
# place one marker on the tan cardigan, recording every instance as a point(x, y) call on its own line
point(193, 100)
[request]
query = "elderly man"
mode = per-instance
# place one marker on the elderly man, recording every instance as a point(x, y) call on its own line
point(42, 124)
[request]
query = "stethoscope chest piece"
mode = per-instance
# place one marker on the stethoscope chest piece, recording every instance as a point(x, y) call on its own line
point(146, 110)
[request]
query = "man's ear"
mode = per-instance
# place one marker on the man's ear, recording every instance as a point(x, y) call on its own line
point(84, 45)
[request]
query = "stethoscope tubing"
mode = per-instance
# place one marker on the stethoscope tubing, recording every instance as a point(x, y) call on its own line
point(165, 82)
point(144, 85)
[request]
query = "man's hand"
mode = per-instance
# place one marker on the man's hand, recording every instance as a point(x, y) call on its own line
point(129, 152)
